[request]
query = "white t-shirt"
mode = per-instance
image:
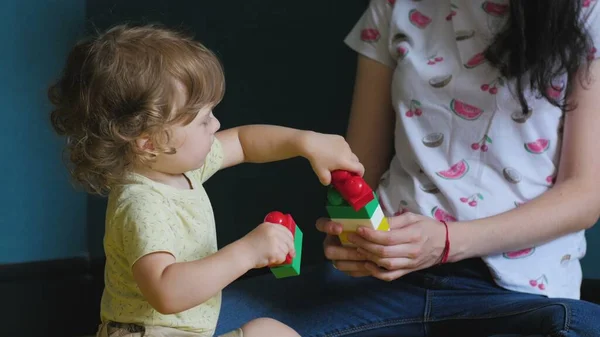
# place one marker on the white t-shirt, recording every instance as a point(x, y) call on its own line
point(464, 148)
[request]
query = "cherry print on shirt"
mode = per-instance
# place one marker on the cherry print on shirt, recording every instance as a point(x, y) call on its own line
point(481, 145)
point(462, 35)
point(495, 9)
point(475, 60)
point(538, 146)
point(519, 117)
point(433, 139)
point(587, 3)
point(452, 14)
point(519, 254)
point(472, 199)
point(418, 19)
point(441, 215)
point(415, 109)
point(511, 175)
point(539, 282)
point(564, 261)
point(434, 60)
point(551, 179)
point(464, 110)
point(492, 87)
point(370, 35)
point(391, 2)
point(455, 172)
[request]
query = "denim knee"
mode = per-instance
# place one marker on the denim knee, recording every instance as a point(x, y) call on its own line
point(574, 318)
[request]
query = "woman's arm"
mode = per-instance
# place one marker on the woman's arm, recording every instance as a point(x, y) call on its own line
point(371, 125)
point(417, 242)
point(571, 205)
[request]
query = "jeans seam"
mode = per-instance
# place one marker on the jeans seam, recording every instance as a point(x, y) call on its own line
point(511, 313)
point(568, 318)
point(371, 326)
point(427, 311)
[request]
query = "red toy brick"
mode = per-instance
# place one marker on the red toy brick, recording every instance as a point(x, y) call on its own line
point(353, 188)
point(285, 220)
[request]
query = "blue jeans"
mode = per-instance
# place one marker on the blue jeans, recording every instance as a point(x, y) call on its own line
point(457, 299)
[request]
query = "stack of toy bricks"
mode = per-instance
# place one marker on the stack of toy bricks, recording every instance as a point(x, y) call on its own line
point(352, 203)
point(291, 266)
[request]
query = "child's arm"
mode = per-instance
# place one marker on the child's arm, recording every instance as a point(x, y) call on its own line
point(171, 287)
point(266, 143)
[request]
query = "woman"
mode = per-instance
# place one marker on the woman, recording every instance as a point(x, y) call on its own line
point(492, 117)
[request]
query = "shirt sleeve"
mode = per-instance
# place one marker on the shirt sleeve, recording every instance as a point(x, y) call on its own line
point(370, 35)
point(147, 227)
point(591, 12)
point(212, 163)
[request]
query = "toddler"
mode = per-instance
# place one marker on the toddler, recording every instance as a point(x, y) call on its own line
point(135, 104)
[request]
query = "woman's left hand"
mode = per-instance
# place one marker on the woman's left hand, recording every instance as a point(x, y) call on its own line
point(414, 242)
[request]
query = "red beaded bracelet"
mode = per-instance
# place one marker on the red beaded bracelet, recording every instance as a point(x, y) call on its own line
point(446, 251)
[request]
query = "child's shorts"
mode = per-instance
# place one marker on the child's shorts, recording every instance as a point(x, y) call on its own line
point(113, 329)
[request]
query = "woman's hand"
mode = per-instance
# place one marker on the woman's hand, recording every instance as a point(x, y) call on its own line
point(345, 259)
point(414, 242)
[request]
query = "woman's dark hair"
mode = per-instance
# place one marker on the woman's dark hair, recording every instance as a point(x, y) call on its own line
point(541, 40)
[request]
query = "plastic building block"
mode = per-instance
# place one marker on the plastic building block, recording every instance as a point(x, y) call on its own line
point(286, 221)
point(348, 191)
point(352, 224)
point(292, 269)
point(382, 226)
point(352, 187)
point(343, 210)
point(291, 266)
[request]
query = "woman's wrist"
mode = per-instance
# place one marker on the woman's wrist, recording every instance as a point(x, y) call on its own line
point(460, 238)
point(446, 250)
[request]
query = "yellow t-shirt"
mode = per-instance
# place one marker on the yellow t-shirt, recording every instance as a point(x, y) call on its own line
point(143, 217)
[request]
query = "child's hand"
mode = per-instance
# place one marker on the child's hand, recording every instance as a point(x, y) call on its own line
point(269, 244)
point(327, 152)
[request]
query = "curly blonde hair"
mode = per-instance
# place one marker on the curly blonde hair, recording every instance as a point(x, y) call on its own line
point(119, 86)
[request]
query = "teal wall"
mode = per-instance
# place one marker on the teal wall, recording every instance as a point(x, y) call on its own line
point(41, 216)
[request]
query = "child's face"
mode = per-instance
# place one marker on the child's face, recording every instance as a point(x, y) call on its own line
point(192, 143)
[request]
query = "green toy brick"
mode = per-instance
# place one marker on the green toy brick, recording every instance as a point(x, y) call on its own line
point(292, 269)
point(347, 212)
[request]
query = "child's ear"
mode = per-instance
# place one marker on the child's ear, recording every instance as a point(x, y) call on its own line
point(144, 144)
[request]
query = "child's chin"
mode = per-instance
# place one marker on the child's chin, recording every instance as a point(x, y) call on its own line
point(200, 164)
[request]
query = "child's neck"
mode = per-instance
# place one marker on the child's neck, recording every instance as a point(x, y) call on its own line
point(179, 180)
